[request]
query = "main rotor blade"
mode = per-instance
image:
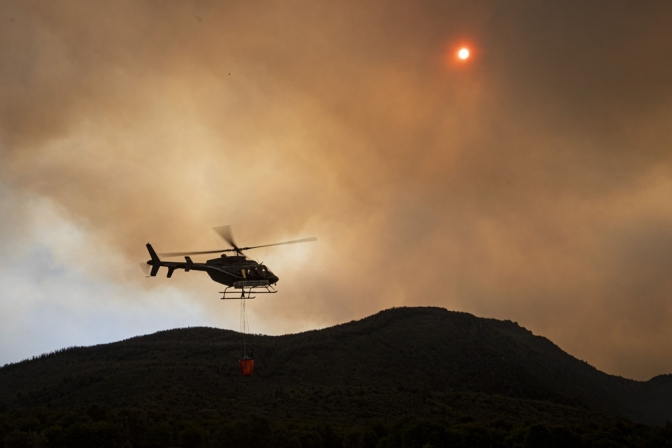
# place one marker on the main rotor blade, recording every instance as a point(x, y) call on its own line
point(303, 240)
point(225, 233)
point(180, 254)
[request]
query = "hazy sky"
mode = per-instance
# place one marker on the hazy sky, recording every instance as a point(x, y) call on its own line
point(531, 182)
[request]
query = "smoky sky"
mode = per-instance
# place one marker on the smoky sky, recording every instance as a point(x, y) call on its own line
point(530, 183)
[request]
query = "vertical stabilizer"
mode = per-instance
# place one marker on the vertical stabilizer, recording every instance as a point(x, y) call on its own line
point(156, 263)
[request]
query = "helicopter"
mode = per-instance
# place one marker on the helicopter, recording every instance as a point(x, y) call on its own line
point(236, 272)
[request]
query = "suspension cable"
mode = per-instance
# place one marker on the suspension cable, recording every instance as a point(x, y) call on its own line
point(244, 326)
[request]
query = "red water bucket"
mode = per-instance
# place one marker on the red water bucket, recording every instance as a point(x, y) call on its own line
point(246, 366)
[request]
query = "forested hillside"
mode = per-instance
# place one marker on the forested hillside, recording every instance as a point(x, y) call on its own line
point(378, 381)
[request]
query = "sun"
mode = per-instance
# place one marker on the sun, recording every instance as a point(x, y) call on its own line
point(463, 53)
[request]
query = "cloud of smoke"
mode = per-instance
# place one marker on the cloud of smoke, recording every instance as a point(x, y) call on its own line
point(529, 184)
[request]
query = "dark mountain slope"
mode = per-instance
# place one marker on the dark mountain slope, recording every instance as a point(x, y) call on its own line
point(421, 359)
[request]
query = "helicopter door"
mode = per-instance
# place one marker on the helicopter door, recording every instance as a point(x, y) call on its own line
point(242, 271)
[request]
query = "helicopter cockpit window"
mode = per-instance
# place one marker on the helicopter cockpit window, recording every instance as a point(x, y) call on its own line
point(254, 272)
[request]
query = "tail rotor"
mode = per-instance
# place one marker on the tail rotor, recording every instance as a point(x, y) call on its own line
point(145, 268)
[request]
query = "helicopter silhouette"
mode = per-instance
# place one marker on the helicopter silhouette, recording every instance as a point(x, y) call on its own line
point(236, 272)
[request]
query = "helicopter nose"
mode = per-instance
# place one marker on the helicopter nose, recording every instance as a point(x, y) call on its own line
point(273, 279)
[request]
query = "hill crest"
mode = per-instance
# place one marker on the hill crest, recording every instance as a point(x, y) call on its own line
point(426, 348)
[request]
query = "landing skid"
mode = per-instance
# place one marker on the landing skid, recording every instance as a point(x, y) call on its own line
point(245, 292)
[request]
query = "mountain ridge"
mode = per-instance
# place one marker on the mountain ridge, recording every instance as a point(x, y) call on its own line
point(387, 354)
